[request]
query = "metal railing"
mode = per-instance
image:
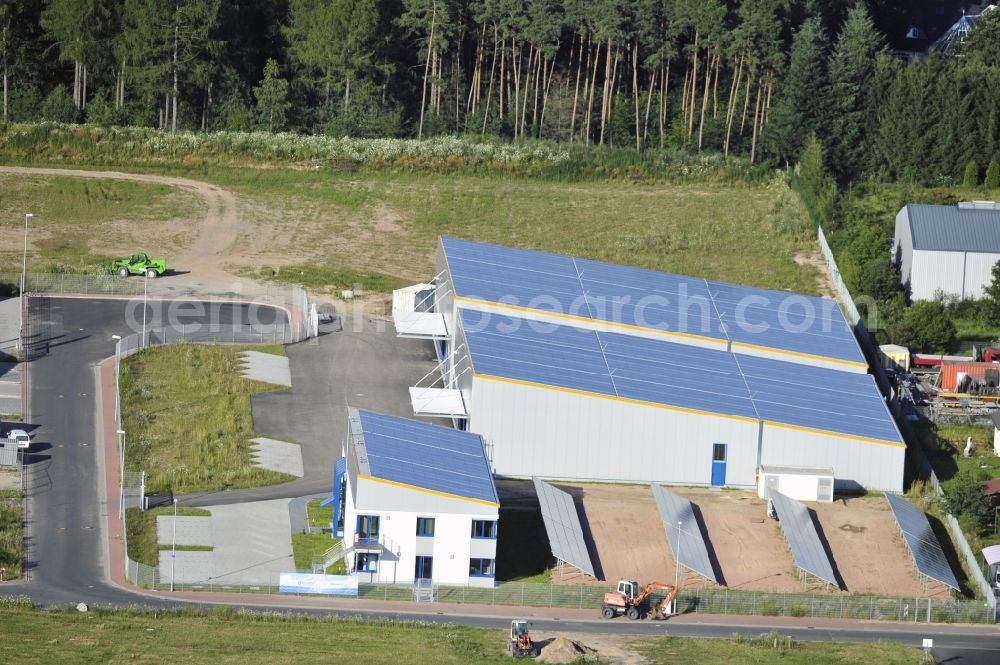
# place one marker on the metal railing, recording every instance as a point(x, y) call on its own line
point(290, 297)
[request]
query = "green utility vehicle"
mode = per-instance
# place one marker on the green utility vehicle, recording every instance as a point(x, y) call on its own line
point(139, 264)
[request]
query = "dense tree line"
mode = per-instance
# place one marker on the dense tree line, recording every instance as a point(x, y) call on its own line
point(754, 77)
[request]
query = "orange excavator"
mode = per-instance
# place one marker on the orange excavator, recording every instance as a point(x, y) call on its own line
point(628, 600)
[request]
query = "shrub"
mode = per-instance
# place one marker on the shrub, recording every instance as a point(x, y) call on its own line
point(971, 178)
point(59, 106)
point(930, 325)
point(992, 180)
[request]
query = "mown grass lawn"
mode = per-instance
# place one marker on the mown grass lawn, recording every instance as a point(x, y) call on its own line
point(226, 636)
point(79, 224)
point(378, 229)
point(186, 414)
point(769, 649)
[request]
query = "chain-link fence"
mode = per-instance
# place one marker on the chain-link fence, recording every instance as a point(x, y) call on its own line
point(914, 445)
point(689, 601)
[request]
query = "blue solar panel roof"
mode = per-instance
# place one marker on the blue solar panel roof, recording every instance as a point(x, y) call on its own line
point(431, 457)
point(677, 375)
point(609, 364)
point(818, 398)
point(632, 297)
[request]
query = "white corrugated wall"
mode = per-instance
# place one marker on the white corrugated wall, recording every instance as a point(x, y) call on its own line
point(959, 274)
point(533, 431)
point(855, 464)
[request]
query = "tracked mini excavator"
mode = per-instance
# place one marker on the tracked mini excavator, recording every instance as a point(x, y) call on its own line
point(628, 600)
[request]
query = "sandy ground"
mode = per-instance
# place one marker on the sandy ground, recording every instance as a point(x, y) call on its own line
point(814, 259)
point(868, 552)
point(626, 540)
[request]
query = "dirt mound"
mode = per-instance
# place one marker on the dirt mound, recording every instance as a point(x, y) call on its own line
point(562, 650)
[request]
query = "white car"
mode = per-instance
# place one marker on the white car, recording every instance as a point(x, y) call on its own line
point(21, 437)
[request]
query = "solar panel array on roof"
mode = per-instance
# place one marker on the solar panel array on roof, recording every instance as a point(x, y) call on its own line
point(427, 456)
point(800, 532)
point(818, 398)
point(609, 364)
point(921, 541)
point(683, 532)
point(677, 375)
point(656, 301)
point(562, 524)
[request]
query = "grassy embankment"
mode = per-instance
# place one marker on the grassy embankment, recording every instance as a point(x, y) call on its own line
point(186, 411)
point(11, 534)
point(227, 636)
point(307, 545)
point(80, 225)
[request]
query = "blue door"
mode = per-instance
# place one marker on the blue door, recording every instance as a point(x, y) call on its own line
point(718, 464)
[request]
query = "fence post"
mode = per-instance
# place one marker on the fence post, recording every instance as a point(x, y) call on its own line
point(753, 606)
point(581, 597)
point(522, 595)
point(550, 595)
point(725, 602)
point(871, 608)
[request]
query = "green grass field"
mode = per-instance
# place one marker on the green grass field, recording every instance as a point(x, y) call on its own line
point(186, 414)
point(11, 534)
point(383, 228)
point(377, 230)
point(225, 636)
point(79, 225)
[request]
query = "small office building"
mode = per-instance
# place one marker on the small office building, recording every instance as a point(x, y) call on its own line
point(419, 503)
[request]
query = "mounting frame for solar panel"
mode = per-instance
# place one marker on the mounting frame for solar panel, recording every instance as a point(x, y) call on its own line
point(925, 580)
point(562, 563)
point(679, 529)
point(804, 574)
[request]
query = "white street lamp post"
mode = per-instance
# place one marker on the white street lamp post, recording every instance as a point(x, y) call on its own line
point(145, 285)
point(24, 269)
point(677, 565)
point(173, 552)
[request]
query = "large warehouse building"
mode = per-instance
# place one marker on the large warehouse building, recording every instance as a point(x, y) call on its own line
point(573, 369)
point(947, 249)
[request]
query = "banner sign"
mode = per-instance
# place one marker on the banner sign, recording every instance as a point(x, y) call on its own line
point(331, 585)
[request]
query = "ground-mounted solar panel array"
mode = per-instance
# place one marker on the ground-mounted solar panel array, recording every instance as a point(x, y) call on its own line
point(921, 541)
point(683, 532)
point(803, 539)
point(739, 317)
point(562, 525)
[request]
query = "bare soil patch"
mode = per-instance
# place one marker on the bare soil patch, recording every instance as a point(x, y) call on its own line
point(814, 259)
point(867, 549)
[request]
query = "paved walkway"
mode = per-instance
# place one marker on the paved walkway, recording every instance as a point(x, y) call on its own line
point(266, 367)
point(277, 456)
point(10, 322)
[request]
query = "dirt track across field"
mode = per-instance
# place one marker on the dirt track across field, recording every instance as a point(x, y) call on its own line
point(626, 538)
point(211, 238)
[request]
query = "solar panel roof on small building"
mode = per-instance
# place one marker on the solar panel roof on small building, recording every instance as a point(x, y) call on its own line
point(633, 300)
point(423, 456)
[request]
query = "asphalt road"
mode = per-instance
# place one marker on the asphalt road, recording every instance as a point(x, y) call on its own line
point(66, 549)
